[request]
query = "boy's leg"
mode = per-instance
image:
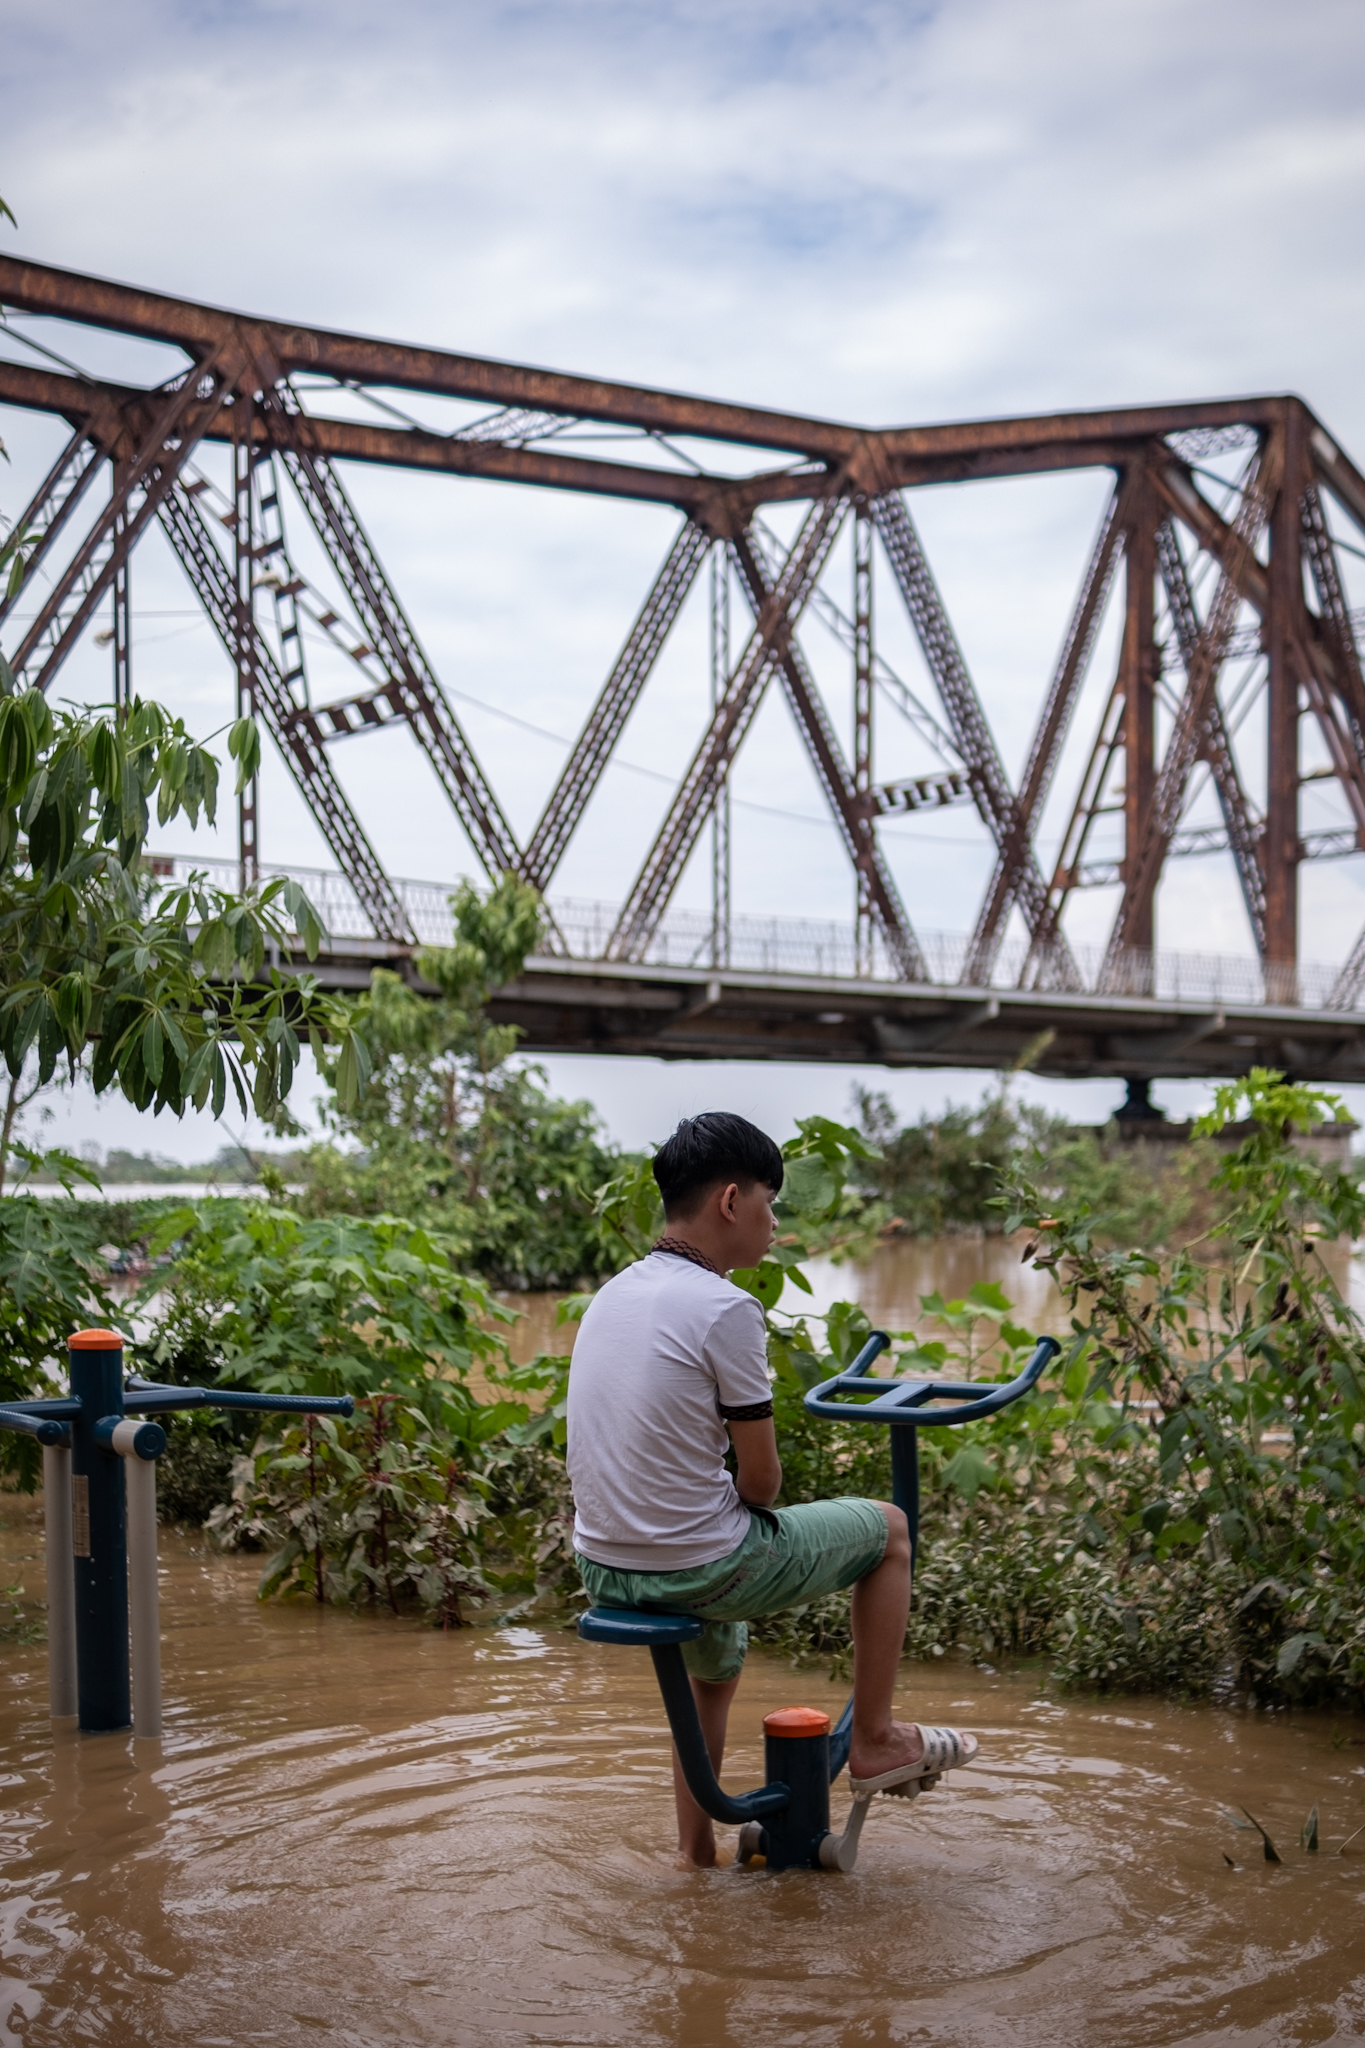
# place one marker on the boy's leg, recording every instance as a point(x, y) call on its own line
point(880, 1610)
point(696, 1831)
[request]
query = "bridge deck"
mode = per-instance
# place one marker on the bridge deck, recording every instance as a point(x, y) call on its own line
point(701, 1013)
point(788, 994)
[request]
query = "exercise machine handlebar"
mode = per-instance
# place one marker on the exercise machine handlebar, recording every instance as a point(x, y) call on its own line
point(47, 1428)
point(910, 1405)
point(906, 1401)
point(150, 1397)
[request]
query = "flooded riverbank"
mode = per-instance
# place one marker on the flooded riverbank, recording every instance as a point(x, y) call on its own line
point(891, 1283)
point(889, 1286)
point(360, 1831)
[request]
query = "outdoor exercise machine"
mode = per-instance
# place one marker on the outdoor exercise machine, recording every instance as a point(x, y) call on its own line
point(786, 1820)
point(99, 1493)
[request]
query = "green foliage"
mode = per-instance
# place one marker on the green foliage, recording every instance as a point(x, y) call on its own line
point(15, 549)
point(1249, 1379)
point(393, 1508)
point(50, 1284)
point(1177, 1508)
point(942, 1173)
point(375, 1509)
point(285, 1304)
point(194, 1472)
point(447, 1130)
point(164, 985)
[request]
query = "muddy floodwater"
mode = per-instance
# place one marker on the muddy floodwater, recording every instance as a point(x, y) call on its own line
point(362, 1832)
point(891, 1284)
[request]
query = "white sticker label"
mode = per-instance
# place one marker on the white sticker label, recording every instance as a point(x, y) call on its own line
point(80, 1514)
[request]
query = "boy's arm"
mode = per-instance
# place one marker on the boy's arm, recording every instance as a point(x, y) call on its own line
point(758, 1469)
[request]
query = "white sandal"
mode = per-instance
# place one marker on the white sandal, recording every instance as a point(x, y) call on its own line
point(945, 1749)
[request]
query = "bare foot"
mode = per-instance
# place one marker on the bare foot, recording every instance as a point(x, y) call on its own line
point(902, 1744)
point(682, 1861)
point(697, 1854)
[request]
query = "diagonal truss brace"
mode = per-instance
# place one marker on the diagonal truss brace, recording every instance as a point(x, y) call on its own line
point(1065, 688)
point(307, 761)
point(1338, 629)
point(1325, 674)
point(143, 478)
point(58, 496)
point(423, 702)
point(990, 785)
point(1350, 692)
point(1142, 865)
point(895, 689)
point(618, 698)
point(733, 715)
point(1089, 803)
point(1244, 828)
point(851, 814)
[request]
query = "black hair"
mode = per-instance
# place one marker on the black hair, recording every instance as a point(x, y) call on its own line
point(708, 1150)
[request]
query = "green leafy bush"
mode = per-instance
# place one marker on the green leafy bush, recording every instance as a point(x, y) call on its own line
point(942, 1173)
point(1177, 1508)
point(51, 1283)
point(447, 1130)
point(162, 985)
point(259, 1296)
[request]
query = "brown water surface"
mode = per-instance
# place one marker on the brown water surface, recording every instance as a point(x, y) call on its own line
point(889, 1286)
point(891, 1283)
point(901, 1270)
point(360, 1831)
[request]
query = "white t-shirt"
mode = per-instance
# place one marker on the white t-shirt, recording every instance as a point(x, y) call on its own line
point(660, 1351)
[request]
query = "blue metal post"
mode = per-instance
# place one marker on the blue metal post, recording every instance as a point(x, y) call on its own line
point(905, 1479)
point(100, 1536)
point(90, 1421)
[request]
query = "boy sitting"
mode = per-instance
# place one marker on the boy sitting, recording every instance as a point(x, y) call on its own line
point(671, 1355)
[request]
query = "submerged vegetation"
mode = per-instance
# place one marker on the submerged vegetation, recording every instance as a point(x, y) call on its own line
point(1178, 1507)
point(942, 1173)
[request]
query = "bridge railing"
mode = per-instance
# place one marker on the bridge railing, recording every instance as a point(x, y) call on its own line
point(824, 949)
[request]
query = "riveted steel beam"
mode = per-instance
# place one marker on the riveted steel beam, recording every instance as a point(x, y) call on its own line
point(142, 479)
point(733, 715)
point(853, 812)
point(1244, 829)
point(1053, 726)
point(367, 585)
point(212, 582)
point(1143, 862)
point(619, 696)
point(971, 731)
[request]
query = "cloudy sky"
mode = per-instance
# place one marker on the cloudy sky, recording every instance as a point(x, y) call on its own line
point(886, 213)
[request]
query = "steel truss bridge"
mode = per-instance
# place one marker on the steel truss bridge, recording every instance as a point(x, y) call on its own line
point(795, 989)
point(1221, 542)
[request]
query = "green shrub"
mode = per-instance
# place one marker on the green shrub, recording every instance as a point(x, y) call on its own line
point(388, 1509)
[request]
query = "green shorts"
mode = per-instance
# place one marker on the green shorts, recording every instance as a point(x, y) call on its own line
point(789, 1556)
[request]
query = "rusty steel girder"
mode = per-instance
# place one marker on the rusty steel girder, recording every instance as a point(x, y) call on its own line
point(1261, 540)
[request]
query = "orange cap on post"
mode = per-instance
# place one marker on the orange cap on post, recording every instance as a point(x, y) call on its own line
point(95, 1340)
point(793, 1721)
